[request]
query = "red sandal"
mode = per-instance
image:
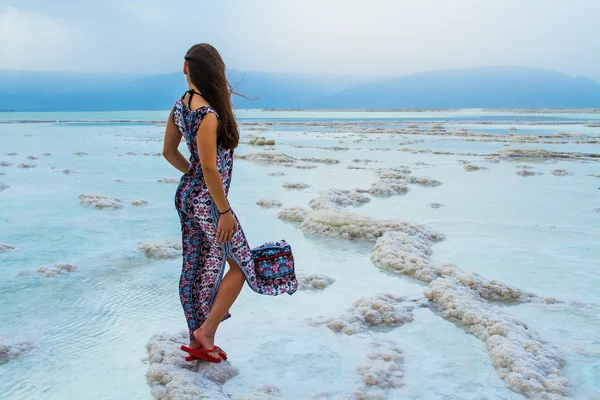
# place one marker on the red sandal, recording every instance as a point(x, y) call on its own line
point(201, 354)
point(217, 350)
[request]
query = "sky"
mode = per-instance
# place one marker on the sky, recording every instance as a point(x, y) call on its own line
point(357, 37)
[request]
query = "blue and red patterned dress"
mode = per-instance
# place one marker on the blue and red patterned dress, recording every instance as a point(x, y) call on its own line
point(204, 258)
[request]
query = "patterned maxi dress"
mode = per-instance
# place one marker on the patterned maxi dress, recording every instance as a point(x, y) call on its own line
point(204, 258)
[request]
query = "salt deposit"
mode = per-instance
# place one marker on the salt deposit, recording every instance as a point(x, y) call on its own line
point(383, 370)
point(100, 201)
point(314, 282)
point(10, 350)
point(276, 174)
point(526, 362)
point(334, 198)
point(514, 153)
point(425, 181)
point(6, 247)
point(307, 166)
point(596, 210)
point(269, 203)
point(524, 166)
point(46, 154)
point(170, 248)
point(5, 164)
point(382, 310)
point(32, 158)
point(267, 392)
point(345, 225)
point(11, 154)
point(294, 214)
point(172, 378)
point(168, 180)
point(436, 205)
point(25, 165)
point(594, 175)
point(52, 271)
point(527, 172)
point(80, 153)
point(408, 253)
point(320, 160)
point(68, 171)
point(139, 203)
point(269, 158)
point(3, 186)
point(473, 167)
point(387, 187)
point(354, 167)
point(561, 172)
point(295, 185)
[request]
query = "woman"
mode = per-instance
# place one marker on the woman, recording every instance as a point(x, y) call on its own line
point(211, 232)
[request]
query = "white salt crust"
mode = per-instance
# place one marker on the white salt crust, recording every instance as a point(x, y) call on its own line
point(170, 248)
point(100, 201)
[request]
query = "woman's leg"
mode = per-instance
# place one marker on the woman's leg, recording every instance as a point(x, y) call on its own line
point(230, 288)
point(191, 237)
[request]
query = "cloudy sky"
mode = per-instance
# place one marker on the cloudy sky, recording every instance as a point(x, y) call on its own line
point(375, 37)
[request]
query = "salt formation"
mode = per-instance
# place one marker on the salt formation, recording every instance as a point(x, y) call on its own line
point(408, 253)
point(335, 198)
point(510, 152)
point(46, 154)
point(314, 281)
point(6, 247)
point(100, 201)
point(267, 392)
point(383, 369)
point(594, 175)
point(294, 214)
point(345, 225)
point(11, 154)
point(355, 167)
point(270, 158)
point(382, 310)
point(68, 171)
point(32, 158)
point(425, 181)
point(295, 185)
point(260, 141)
point(80, 153)
point(597, 210)
point(171, 377)
point(513, 129)
point(171, 248)
point(321, 160)
point(25, 165)
point(473, 167)
point(561, 172)
point(139, 202)
point(269, 203)
point(168, 180)
point(387, 187)
point(305, 166)
point(436, 205)
point(524, 166)
point(130, 153)
point(14, 349)
point(3, 186)
point(5, 164)
point(527, 172)
point(527, 363)
point(57, 269)
point(276, 174)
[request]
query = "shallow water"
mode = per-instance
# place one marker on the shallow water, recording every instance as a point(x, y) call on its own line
point(538, 233)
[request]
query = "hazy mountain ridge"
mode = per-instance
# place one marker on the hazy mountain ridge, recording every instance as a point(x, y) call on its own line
point(489, 87)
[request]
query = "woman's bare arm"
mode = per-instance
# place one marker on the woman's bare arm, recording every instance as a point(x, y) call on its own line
point(207, 149)
point(171, 147)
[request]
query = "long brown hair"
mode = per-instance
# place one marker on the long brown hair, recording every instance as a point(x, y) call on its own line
point(206, 71)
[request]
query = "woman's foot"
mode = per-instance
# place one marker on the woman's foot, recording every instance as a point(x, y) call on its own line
point(206, 340)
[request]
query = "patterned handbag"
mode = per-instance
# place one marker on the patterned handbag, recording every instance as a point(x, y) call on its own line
point(274, 260)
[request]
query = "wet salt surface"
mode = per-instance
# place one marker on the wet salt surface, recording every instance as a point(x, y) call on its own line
point(90, 327)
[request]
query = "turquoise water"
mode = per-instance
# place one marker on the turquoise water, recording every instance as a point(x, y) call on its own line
point(90, 327)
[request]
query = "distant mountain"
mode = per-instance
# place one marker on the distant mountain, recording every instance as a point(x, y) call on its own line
point(490, 87)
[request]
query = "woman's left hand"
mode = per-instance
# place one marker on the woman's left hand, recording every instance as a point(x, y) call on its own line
point(226, 227)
